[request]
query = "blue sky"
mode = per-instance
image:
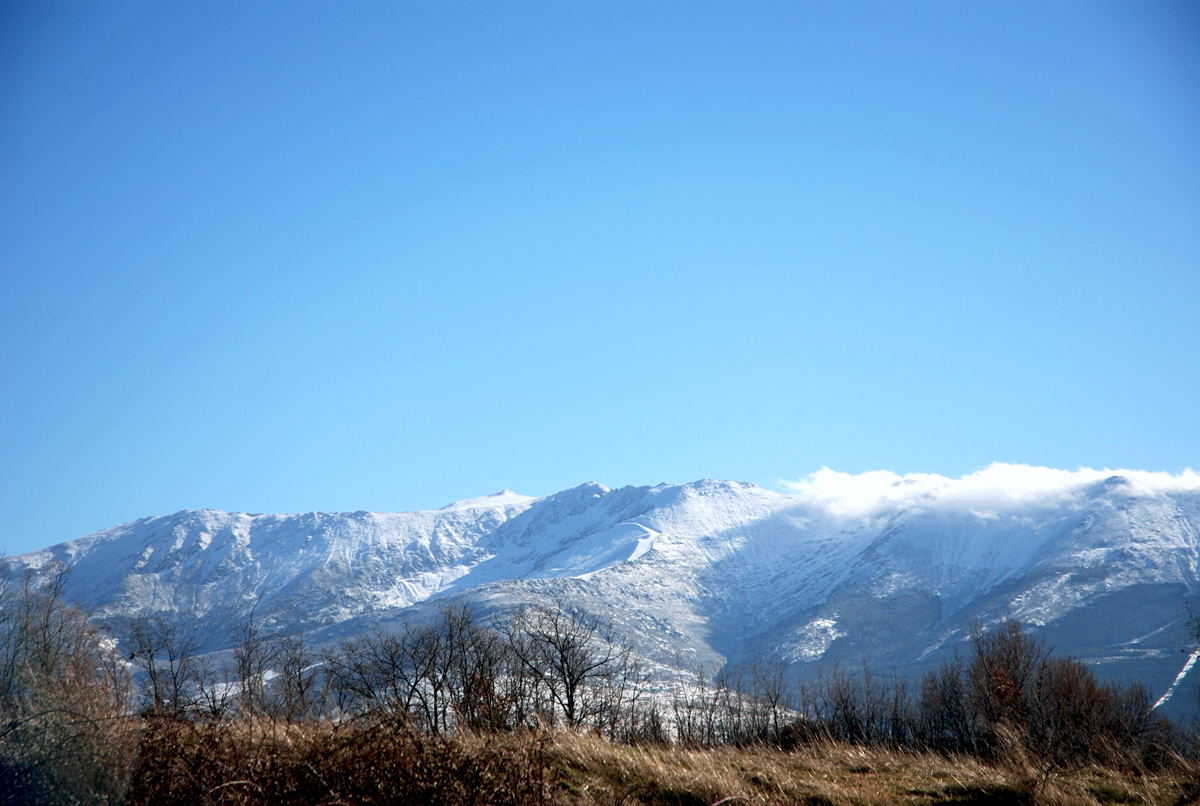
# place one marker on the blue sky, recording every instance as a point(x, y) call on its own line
point(297, 256)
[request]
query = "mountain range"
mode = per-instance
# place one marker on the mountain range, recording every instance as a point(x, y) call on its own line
point(893, 571)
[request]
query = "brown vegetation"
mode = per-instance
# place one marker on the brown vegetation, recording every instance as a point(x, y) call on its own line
point(376, 761)
point(248, 763)
point(66, 735)
point(1011, 698)
point(594, 771)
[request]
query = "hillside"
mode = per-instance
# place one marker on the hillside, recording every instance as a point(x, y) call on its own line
point(896, 571)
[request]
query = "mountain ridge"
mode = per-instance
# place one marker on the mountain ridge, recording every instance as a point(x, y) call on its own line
point(893, 570)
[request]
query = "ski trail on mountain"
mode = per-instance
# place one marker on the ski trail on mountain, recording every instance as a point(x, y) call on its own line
point(1187, 667)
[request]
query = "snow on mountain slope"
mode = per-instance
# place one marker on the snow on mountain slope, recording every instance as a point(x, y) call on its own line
point(895, 570)
point(294, 572)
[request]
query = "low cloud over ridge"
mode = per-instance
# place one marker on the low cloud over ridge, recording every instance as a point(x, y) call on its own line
point(999, 487)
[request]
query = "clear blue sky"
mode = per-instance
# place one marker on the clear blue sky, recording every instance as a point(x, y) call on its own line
point(295, 256)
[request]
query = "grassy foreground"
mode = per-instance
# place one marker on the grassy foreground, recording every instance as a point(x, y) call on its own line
point(592, 771)
point(264, 763)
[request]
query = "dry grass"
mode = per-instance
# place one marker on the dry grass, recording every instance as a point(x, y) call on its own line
point(596, 772)
point(386, 762)
point(257, 762)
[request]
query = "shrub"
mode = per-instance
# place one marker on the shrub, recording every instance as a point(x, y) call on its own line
point(65, 733)
point(365, 761)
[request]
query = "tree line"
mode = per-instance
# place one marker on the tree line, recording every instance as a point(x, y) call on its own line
point(544, 666)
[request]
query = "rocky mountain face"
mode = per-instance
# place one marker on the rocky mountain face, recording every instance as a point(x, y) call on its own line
point(701, 574)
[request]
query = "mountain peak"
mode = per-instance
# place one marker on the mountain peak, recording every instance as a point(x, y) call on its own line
point(503, 498)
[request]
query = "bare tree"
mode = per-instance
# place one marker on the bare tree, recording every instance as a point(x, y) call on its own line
point(571, 654)
point(167, 657)
point(1002, 671)
point(369, 674)
point(945, 720)
point(424, 670)
point(296, 683)
point(480, 664)
point(772, 693)
point(694, 708)
point(252, 659)
point(213, 688)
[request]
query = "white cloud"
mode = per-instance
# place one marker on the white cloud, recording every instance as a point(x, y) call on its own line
point(997, 488)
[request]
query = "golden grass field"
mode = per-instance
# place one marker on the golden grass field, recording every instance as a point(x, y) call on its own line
point(593, 771)
point(265, 763)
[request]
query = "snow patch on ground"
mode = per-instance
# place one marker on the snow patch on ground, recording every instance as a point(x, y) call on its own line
point(813, 640)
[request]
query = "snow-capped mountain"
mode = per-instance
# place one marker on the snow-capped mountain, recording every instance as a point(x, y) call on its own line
point(896, 571)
